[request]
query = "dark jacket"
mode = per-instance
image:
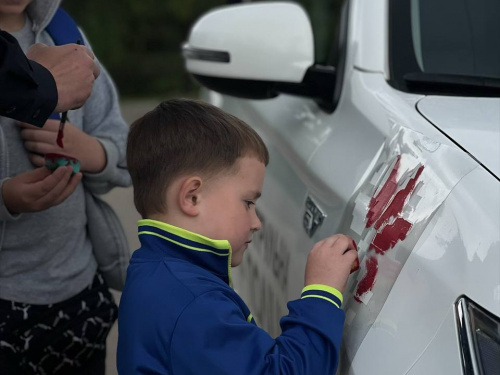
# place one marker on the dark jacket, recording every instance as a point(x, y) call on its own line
point(179, 315)
point(28, 91)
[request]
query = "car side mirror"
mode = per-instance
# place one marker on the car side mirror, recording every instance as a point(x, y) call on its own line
point(256, 51)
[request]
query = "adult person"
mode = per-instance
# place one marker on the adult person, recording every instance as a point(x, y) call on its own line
point(46, 80)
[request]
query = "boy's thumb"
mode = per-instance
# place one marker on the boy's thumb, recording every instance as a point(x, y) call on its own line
point(38, 175)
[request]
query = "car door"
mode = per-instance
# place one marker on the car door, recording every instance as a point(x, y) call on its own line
point(371, 166)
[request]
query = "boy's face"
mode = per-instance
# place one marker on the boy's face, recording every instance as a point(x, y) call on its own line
point(229, 206)
point(13, 7)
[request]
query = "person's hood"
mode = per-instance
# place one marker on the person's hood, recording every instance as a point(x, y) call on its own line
point(41, 12)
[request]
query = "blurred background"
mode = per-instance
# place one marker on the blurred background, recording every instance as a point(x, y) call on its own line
point(139, 43)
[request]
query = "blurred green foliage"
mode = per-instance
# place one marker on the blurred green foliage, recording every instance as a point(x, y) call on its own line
point(139, 41)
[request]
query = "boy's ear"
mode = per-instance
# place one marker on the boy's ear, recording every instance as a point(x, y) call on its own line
point(189, 196)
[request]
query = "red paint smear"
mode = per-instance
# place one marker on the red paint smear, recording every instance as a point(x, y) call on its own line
point(368, 281)
point(355, 266)
point(60, 136)
point(397, 204)
point(378, 203)
point(390, 235)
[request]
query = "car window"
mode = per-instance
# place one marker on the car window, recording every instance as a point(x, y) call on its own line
point(325, 19)
point(468, 44)
point(445, 42)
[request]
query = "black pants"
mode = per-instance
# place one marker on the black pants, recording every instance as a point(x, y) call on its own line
point(63, 338)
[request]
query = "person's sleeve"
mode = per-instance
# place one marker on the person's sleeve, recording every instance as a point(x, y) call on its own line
point(28, 91)
point(104, 121)
point(213, 337)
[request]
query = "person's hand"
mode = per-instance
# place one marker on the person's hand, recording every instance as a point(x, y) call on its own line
point(39, 189)
point(74, 71)
point(80, 145)
point(331, 261)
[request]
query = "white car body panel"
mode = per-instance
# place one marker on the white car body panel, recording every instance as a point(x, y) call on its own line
point(474, 123)
point(369, 35)
point(447, 261)
point(442, 356)
point(406, 323)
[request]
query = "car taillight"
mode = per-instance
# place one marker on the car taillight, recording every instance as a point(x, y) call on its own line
point(479, 334)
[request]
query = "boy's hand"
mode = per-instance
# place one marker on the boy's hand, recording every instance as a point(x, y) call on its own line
point(331, 261)
point(41, 141)
point(39, 189)
point(74, 70)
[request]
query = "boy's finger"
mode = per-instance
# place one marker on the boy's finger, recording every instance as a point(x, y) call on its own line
point(37, 160)
point(41, 136)
point(355, 265)
point(48, 185)
point(54, 194)
point(330, 241)
point(50, 124)
point(26, 125)
point(87, 51)
point(342, 244)
point(69, 189)
point(348, 244)
point(39, 147)
point(318, 244)
point(37, 175)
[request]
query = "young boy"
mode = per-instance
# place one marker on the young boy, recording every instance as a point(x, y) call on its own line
point(197, 174)
point(55, 306)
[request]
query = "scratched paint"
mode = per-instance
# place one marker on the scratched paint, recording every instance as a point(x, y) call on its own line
point(411, 178)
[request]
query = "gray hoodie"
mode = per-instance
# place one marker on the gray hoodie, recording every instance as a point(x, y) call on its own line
point(47, 257)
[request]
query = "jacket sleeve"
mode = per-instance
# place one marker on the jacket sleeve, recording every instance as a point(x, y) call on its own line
point(28, 91)
point(104, 121)
point(213, 337)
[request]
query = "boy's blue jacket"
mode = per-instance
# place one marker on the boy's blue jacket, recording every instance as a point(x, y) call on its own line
point(179, 315)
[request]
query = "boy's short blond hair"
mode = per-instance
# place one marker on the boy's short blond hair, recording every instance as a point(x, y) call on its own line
point(182, 137)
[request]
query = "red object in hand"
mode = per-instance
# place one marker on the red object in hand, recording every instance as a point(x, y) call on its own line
point(60, 133)
point(355, 266)
point(54, 161)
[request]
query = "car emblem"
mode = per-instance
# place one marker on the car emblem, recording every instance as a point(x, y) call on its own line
point(313, 217)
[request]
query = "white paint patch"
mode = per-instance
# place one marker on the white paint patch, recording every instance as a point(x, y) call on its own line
point(365, 298)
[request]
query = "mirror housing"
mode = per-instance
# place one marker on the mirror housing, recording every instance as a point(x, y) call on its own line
point(260, 41)
point(256, 51)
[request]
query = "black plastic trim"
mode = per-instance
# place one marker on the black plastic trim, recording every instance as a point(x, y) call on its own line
point(463, 318)
point(339, 57)
point(449, 84)
point(240, 88)
point(318, 84)
point(205, 55)
point(401, 57)
point(468, 314)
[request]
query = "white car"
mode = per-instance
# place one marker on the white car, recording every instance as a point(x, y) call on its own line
point(394, 139)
